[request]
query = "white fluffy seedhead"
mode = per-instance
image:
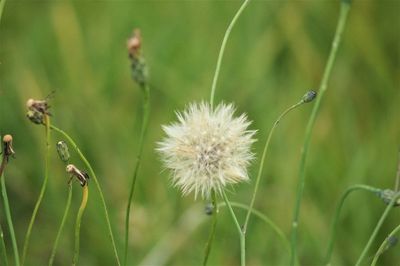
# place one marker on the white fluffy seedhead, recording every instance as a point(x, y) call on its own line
point(207, 148)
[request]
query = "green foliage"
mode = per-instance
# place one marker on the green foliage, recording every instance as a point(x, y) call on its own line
point(275, 53)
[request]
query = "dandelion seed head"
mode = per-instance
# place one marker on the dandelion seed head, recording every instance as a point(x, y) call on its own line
point(207, 149)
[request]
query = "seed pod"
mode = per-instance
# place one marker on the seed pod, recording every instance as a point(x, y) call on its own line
point(309, 96)
point(62, 150)
point(35, 117)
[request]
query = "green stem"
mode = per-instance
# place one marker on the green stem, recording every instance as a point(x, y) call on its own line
point(384, 245)
point(86, 162)
point(265, 219)
point(64, 218)
point(2, 3)
point(377, 227)
point(344, 196)
point(344, 10)
point(42, 191)
point(9, 219)
point(213, 227)
point(3, 250)
point(241, 235)
point(264, 154)
point(145, 121)
point(222, 49)
point(85, 194)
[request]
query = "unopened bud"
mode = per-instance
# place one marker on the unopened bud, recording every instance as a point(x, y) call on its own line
point(209, 209)
point(387, 196)
point(35, 117)
point(62, 150)
point(309, 96)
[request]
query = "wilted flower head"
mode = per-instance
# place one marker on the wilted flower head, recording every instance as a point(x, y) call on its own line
point(207, 148)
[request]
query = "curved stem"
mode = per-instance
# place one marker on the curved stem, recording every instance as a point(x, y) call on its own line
point(9, 219)
point(3, 250)
point(264, 154)
point(86, 162)
point(265, 219)
point(64, 218)
point(85, 194)
point(377, 227)
point(213, 227)
point(241, 235)
point(384, 245)
point(42, 190)
point(344, 10)
point(145, 120)
point(222, 49)
point(337, 213)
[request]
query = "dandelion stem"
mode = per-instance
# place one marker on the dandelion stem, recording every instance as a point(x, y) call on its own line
point(241, 235)
point(344, 196)
point(377, 227)
point(86, 162)
point(3, 250)
point(213, 227)
point(42, 190)
point(344, 10)
point(384, 245)
point(222, 49)
point(264, 154)
point(85, 195)
point(145, 121)
point(64, 218)
point(9, 219)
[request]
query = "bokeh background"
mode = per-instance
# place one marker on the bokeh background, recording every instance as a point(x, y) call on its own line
point(276, 52)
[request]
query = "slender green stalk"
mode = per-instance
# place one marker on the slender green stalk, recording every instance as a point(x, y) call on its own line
point(377, 227)
point(265, 219)
point(344, 10)
point(3, 250)
point(384, 245)
point(64, 218)
point(145, 121)
point(42, 191)
point(9, 219)
point(85, 195)
point(2, 3)
point(241, 235)
point(86, 162)
point(344, 196)
point(213, 227)
point(264, 154)
point(222, 49)
point(397, 184)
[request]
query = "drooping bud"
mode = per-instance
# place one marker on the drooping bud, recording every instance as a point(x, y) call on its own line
point(63, 152)
point(387, 196)
point(309, 96)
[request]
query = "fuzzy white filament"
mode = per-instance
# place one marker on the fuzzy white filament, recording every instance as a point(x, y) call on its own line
point(207, 148)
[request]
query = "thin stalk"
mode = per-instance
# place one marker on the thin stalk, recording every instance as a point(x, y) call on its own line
point(264, 154)
point(241, 235)
point(265, 219)
point(222, 49)
point(377, 227)
point(64, 218)
point(384, 245)
point(42, 190)
point(9, 219)
point(3, 250)
point(344, 10)
point(145, 121)
point(86, 162)
point(2, 3)
point(213, 227)
point(85, 195)
point(344, 196)
point(397, 184)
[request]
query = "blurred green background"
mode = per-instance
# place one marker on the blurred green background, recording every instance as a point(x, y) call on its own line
point(276, 52)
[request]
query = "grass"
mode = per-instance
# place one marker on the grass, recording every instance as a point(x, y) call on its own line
point(275, 53)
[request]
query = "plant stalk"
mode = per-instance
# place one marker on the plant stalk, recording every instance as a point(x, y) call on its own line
point(213, 227)
point(384, 245)
point(85, 195)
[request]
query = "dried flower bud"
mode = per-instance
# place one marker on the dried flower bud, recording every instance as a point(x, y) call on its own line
point(35, 117)
point(7, 147)
point(62, 150)
point(40, 106)
point(134, 43)
point(82, 176)
point(309, 96)
point(138, 64)
point(387, 196)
